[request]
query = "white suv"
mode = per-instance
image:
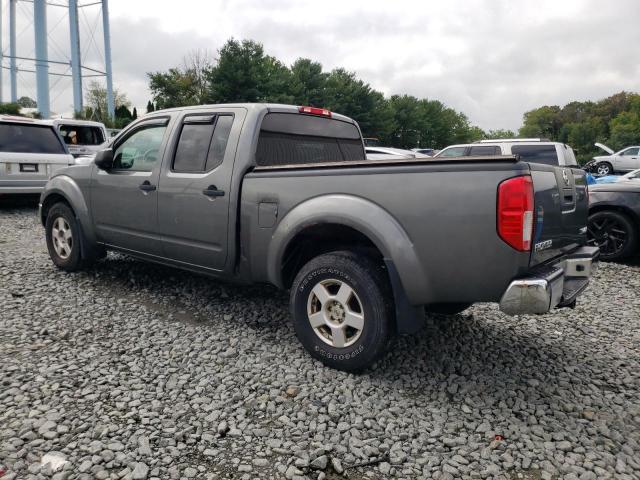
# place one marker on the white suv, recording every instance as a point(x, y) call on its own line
point(534, 150)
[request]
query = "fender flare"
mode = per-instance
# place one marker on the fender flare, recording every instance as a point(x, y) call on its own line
point(362, 215)
point(67, 188)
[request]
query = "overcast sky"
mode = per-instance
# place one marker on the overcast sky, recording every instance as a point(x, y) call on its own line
point(492, 60)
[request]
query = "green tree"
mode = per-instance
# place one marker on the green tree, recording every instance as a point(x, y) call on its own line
point(27, 102)
point(625, 130)
point(96, 105)
point(307, 83)
point(135, 113)
point(542, 122)
point(347, 95)
point(244, 73)
point(9, 109)
point(150, 107)
point(499, 133)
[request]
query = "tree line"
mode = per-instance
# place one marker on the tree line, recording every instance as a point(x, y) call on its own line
point(614, 121)
point(243, 72)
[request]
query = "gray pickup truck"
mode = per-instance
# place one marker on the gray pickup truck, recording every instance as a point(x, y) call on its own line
point(284, 195)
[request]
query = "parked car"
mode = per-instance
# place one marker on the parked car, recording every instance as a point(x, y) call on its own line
point(430, 152)
point(633, 175)
point(535, 150)
point(30, 152)
point(625, 160)
point(614, 218)
point(82, 137)
point(385, 153)
point(283, 194)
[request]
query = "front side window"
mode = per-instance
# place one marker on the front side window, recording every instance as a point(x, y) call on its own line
point(631, 151)
point(139, 152)
point(202, 143)
point(545, 154)
point(19, 138)
point(452, 152)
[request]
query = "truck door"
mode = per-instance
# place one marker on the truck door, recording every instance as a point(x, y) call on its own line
point(194, 191)
point(124, 199)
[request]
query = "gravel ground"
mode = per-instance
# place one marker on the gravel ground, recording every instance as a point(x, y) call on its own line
point(135, 371)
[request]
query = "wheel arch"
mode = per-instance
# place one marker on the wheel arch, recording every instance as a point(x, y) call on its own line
point(64, 189)
point(624, 209)
point(358, 222)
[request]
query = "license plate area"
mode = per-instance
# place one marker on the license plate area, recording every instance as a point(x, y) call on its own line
point(29, 167)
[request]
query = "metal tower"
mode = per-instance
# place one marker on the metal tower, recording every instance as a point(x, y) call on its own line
point(42, 62)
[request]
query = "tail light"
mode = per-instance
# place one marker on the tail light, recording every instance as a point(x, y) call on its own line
point(323, 112)
point(515, 212)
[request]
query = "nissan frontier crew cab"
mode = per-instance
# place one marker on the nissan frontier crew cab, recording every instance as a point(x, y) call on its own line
point(284, 195)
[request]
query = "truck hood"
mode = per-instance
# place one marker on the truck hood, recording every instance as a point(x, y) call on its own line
point(605, 148)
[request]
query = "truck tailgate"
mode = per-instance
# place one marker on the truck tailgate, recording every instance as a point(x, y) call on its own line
point(561, 208)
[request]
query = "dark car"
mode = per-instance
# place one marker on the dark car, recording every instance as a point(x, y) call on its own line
point(614, 218)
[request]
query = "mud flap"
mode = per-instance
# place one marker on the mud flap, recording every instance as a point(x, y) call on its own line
point(409, 318)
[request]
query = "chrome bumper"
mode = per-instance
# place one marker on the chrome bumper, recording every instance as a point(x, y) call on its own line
point(551, 287)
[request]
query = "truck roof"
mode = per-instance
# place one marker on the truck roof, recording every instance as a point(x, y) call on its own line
point(255, 107)
point(72, 121)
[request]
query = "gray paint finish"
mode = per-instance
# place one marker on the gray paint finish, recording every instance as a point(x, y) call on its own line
point(434, 220)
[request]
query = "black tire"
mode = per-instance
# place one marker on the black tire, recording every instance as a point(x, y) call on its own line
point(447, 308)
point(370, 294)
point(614, 233)
point(603, 169)
point(69, 259)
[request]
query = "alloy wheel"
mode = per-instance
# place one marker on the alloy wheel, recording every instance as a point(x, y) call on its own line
point(608, 234)
point(62, 238)
point(335, 313)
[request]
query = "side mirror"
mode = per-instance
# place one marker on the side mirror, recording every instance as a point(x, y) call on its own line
point(104, 159)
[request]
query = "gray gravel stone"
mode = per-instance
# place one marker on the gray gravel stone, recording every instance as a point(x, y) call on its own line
point(129, 371)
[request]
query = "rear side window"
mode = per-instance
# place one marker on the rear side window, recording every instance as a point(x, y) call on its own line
point(452, 152)
point(81, 135)
point(481, 150)
point(536, 153)
point(294, 139)
point(202, 144)
point(20, 138)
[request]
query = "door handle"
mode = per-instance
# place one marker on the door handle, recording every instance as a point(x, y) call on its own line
point(146, 186)
point(212, 191)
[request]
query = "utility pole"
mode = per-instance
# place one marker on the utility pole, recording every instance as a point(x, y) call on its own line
point(76, 71)
point(107, 59)
point(42, 56)
point(1, 55)
point(12, 51)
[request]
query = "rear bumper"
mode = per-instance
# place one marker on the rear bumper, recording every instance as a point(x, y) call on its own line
point(22, 186)
point(553, 286)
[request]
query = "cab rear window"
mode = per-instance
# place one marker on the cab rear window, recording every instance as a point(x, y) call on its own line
point(536, 153)
point(24, 138)
point(293, 139)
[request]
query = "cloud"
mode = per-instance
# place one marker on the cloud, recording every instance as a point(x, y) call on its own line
point(493, 60)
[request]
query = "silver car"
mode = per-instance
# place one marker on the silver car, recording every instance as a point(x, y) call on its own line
point(624, 160)
point(31, 151)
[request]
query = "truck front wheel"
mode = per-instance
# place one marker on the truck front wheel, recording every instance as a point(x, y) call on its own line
point(64, 238)
point(342, 310)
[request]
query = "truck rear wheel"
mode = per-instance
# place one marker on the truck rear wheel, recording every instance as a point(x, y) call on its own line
point(342, 310)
